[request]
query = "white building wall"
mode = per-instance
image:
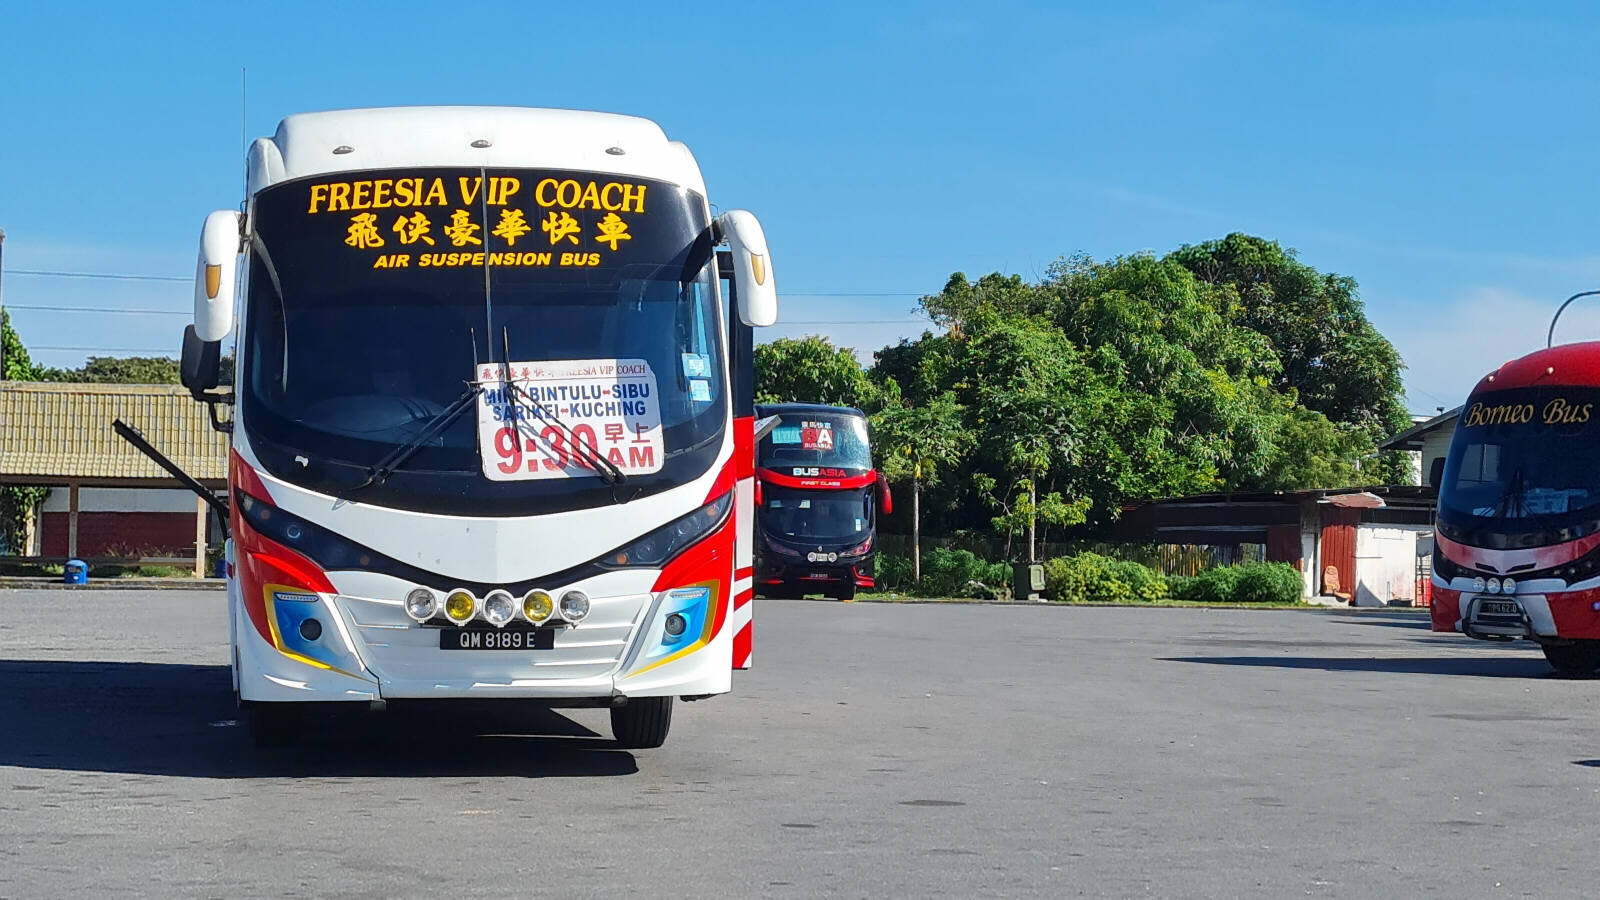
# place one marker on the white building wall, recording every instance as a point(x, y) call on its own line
point(1386, 563)
point(144, 500)
point(1435, 444)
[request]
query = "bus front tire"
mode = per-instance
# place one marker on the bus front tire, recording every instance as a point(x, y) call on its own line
point(848, 592)
point(643, 723)
point(1576, 658)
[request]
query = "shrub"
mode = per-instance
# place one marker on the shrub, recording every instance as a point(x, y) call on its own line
point(1182, 587)
point(1091, 576)
point(1256, 582)
point(893, 573)
point(1268, 582)
point(961, 573)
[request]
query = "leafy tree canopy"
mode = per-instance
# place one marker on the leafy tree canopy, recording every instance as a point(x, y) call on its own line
point(811, 370)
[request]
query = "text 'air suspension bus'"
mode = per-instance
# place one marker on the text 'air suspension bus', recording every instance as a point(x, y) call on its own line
point(1517, 550)
point(491, 431)
point(817, 493)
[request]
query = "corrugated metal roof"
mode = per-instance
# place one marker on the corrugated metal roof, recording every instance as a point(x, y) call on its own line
point(58, 430)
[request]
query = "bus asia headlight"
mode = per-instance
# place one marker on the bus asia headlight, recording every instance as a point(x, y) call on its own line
point(661, 545)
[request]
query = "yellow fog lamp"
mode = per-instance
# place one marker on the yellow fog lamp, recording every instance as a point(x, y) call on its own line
point(538, 606)
point(460, 606)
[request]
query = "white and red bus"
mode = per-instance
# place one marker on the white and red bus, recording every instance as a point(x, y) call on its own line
point(818, 496)
point(1517, 547)
point(492, 414)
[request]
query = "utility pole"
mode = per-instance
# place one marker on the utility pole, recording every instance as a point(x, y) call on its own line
point(2, 302)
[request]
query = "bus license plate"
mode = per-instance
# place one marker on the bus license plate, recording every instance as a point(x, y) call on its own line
point(1499, 607)
point(496, 639)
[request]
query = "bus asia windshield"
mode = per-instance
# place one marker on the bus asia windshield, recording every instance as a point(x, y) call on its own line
point(491, 415)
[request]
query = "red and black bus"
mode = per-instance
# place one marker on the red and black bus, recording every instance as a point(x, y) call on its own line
point(1518, 536)
point(818, 496)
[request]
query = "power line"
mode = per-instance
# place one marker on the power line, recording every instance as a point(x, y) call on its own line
point(100, 309)
point(41, 273)
point(164, 352)
point(169, 312)
point(46, 274)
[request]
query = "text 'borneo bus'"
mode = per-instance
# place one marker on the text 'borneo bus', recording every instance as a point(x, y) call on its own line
point(491, 430)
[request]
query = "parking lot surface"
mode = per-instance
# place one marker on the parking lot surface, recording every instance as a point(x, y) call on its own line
point(876, 750)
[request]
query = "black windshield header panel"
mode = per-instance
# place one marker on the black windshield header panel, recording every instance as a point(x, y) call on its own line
point(374, 298)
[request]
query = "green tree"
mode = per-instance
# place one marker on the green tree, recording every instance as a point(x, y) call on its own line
point(1034, 401)
point(1331, 357)
point(118, 370)
point(811, 370)
point(16, 503)
point(919, 444)
point(17, 364)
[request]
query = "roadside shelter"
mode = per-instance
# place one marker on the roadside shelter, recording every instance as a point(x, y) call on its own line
point(1371, 546)
point(108, 501)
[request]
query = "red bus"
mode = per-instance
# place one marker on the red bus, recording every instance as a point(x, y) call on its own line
point(1518, 536)
point(818, 496)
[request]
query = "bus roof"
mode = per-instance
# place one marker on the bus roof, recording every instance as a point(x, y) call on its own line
point(397, 137)
point(783, 409)
point(1566, 364)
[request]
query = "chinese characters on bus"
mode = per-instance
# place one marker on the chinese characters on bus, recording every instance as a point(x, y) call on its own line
point(816, 435)
point(552, 417)
point(430, 222)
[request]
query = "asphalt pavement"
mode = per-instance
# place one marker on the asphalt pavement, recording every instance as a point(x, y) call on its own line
point(876, 750)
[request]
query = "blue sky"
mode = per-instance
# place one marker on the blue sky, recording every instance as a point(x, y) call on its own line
point(1443, 155)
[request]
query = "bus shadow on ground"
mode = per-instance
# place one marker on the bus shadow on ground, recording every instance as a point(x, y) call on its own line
point(1478, 666)
point(173, 719)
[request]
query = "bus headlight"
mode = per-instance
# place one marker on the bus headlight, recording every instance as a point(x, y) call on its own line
point(574, 606)
point(498, 608)
point(460, 606)
point(1494, 585)
point(685, 614)
point(659, 546)
point(538, 606)
point(421, 604)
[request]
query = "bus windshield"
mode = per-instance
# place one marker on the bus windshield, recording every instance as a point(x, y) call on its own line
point(376, 299)
point(1521, 470)
point(822, 516)
point(834, 440)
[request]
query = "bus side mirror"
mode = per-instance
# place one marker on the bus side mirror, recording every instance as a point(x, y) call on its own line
point(213, 302)
point(201, 364)
point(754, 285)
point(885, 499)
point(214, 275)
point(1436, 472)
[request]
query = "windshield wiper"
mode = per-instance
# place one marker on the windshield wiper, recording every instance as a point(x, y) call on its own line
point(1512, 498)
point(587, 454)
point(379, 472)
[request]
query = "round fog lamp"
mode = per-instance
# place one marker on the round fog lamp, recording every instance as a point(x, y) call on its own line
point(1477, 585)
point(1507, 586)
point(538, 606)
point(421, 604)
point(498, 608)
point(1494, 585)
point(460, 606)
point(675, 625)
point(574, 605)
